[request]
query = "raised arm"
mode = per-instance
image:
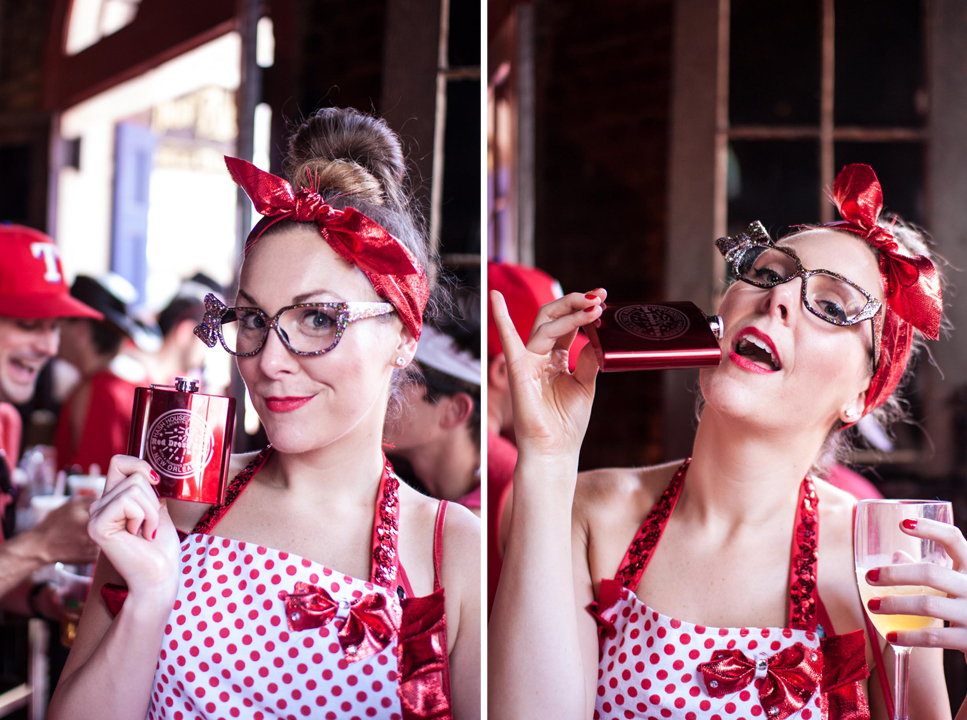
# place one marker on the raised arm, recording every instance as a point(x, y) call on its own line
point(542, 648)
point(109, 671)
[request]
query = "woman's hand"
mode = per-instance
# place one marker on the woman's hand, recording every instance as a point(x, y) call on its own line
point(946, 581)
point(132, 527)
point(551, 406)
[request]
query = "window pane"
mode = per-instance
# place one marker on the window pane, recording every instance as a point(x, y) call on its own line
point(774, 63)
point(460, 232)
point(464, 41)
point(879, 63)
point(774, 181)
point(899, 166)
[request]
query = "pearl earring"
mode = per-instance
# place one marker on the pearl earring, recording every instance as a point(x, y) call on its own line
point(851, 414)
point(400, 361)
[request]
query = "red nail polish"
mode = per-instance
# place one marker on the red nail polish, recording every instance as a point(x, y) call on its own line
point(154, 534)
point(873, 604)
point(591, 296)
point(154, 476)
point(873, 575)
point(891, 637)
point(909, 524)
point(590, 309)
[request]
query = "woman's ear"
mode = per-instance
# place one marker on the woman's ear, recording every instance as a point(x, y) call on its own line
point(853, 410)
point(405, 348)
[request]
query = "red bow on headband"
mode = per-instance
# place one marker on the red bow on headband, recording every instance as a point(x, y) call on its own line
point(789, 678)
point(393, 270)
point(912, 283)
point(369, 622)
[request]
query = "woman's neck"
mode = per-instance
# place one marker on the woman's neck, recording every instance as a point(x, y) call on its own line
point(346, 471)
point(744, 476)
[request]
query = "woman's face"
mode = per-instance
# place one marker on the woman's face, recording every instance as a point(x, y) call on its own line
point(309, 402)
point(818, 370)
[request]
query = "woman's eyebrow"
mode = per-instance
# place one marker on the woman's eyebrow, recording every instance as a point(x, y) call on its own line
point(248, 297)
point(301, 298)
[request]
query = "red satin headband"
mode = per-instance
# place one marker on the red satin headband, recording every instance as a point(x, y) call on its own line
point(391, 267)
point(911, 283)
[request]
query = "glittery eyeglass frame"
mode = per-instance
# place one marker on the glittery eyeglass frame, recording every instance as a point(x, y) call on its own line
point(735, 248)
point(210, 328)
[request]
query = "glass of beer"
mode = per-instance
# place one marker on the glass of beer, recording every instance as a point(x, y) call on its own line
point(878, 541)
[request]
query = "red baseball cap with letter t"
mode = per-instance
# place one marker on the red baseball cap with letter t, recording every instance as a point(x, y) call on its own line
point(32, 281)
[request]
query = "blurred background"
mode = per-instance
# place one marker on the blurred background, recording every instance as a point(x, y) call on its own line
point(115, 115)
point(623, 141)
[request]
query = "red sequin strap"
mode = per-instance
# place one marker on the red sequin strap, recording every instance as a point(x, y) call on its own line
point(216, 512)
point(640, 551)
point(805, 554)
point(386, 529)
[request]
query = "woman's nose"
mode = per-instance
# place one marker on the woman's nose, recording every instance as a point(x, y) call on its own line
point(783, 299)
point(274, 356)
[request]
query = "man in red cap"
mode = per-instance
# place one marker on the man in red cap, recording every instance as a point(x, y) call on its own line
point(524, 289)
point(33, 299)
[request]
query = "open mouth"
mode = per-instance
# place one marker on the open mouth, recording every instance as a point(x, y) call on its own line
point(23, 371)
point(757, 350)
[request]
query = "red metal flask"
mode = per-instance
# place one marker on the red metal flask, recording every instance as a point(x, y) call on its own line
point(186, 437)
point(655, 336)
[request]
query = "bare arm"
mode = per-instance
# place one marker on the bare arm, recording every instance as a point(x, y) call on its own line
point(112, 662)
point(543, 658)
point(461, 575)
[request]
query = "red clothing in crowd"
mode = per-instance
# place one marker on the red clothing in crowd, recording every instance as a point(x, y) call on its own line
point(501, 460)
point(107, 422)
point(471, 499)
point(853, 483)
point(10, 433)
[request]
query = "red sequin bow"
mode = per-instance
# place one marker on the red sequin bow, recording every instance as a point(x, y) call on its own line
point(911, 282)
point(369, 623)
point(391, 267)
point(786, 680)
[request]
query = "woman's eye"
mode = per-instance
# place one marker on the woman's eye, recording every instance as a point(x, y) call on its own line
point(250, 320)
point(765, 274)
point(833, 309)
point(316, 319)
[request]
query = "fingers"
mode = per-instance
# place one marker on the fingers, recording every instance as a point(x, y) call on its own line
point(512, 344)
point(931, 575)
point(586, 370)
point(131, 505)
point(557, 323)
point(921, 605)
point(122, 466)
point(937, 637)
point(944, 533)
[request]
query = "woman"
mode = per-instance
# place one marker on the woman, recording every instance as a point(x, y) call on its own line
point(724, 623)
point(246, 617)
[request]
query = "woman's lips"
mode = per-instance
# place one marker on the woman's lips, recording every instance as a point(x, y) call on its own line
point(286, 404)
point(747, 364)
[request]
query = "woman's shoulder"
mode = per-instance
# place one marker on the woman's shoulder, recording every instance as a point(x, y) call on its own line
point(835, 511)
point(607, 490)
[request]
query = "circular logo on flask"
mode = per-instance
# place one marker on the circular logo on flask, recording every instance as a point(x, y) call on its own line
point(653, 322)
point(180, 443)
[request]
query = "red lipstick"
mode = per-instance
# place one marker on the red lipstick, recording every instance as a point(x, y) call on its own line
point(747, 364)
point(286, 404)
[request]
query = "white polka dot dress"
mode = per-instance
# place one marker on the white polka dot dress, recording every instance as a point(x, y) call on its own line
point(258, 633)
point(654, 667)
point(228, 653)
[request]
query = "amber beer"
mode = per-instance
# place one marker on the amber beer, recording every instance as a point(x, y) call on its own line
point(655, 336)
point(186, 437)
